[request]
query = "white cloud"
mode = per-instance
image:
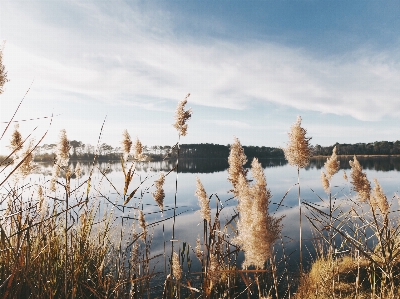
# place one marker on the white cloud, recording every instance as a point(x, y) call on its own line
point(232, 123)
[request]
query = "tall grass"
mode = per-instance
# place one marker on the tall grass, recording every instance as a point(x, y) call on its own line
point(74, 235)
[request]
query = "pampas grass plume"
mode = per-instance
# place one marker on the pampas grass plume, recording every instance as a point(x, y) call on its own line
point(359, 180)
point(332, 165)
point(182, 116)
point(126, 144)
point(159, 195)
point(176, 267)
point(204, 202)
point(298, 151)
point(236, 160)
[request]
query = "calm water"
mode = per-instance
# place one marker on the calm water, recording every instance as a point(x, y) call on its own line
point(281, 179)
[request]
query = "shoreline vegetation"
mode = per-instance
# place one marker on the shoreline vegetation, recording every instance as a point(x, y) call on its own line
point(58, 241)
point(81, 152)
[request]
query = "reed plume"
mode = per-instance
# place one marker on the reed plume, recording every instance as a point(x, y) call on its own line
point(325, 182)
point(142, 224)
point(204, 202)
point(63, 148)
point(138, 153)
point(236, 160)
point(258, 230)
point(298, 151)
point(159, 195)
point(182, 116)
point(27, 156)
point(332, 165)
point(379, 199)
point(176, 267)
point(359, 181)
point(16, 139)
point(126, 144)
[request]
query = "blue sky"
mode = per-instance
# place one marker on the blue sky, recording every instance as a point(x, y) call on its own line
point(251, 67)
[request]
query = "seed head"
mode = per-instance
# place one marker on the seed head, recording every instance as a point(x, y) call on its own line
point(126, 144)
point(298, 151)
point(16, 139)
point(325, 182)
point(142, 224)
point(159, 195)
point(138, 155)
point(378, 198)
point(204, 202)
point(63, 148)
point(236, 160)
point(27, 165)
point(332, 165)
point(359, 180)
point(257, 229)
point(182, 116)
point(176, 267)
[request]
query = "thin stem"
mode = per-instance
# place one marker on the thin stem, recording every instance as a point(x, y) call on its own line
point(300, 234)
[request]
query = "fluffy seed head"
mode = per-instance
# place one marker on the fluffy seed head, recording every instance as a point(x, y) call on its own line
point(182, 116)
point(138, 154)
point(27, 165)
point(332, 165)
point(126, 144)
point(204, 202)
point(378, 198)
point(359, 180)
point(142, 224)
point(257, 229)
point(298, 151)
point(63, 148)
point(16, 139)
point(325, 182)
point(159, 195)
point(176, 267)
point(236, 160)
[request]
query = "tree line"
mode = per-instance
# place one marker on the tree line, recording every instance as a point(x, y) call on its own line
point(81, 151)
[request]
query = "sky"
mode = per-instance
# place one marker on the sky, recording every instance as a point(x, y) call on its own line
point(251, 68)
